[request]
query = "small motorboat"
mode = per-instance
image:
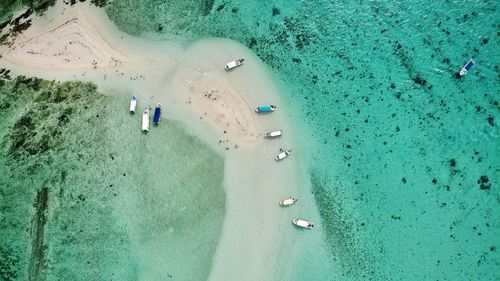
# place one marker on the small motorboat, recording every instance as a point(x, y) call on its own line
point(467, 67)
point(303, 223)
point(156, 116)
point(283, 154)
point(265, 108)
point(234, 64)
point(289, 201)
point(274, 134)
point(133, 104)
point(145, 120)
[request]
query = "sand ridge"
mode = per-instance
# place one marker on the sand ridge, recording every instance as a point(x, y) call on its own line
point(222, 105)
point(213, 104)
point(74, 43)
point(71, 43)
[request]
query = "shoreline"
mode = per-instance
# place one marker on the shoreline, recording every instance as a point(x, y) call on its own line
point(255, 230)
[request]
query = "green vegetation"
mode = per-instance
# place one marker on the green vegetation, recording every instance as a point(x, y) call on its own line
point(82, 191)
point(160, 16)
point(40, 124)
point(9, 7)
point(99, 3)
point(48, 107)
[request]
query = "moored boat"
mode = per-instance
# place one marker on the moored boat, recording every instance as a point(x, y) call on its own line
point(467, 67)
point(133, 104)
point(265, 108)
point(283, 154)
point(303, 223)
point(145, 120)
point(157, 114)
point(289, 201)
point(234, 64)
point(274, 134)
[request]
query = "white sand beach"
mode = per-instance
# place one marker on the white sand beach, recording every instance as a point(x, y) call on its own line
point(217, 106)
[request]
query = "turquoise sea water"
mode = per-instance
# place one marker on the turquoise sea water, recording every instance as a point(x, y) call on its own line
point(405, 167)
point(85, 196)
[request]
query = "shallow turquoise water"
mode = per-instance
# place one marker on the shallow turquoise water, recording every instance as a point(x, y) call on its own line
point(405, 156)
point(84, 195)
point(403, 143)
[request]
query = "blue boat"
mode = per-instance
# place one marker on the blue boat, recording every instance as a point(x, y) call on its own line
point(156, 116)
point(467, 67)
point(265, 108)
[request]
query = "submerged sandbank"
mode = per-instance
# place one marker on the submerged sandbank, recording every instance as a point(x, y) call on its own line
point(212, 104)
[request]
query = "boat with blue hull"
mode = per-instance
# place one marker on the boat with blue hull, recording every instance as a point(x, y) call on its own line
point(467, 67)
point(157, 114)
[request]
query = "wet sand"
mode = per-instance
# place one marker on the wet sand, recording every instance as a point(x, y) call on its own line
point(215, 105)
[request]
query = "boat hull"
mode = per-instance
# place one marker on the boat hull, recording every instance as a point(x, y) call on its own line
point(233, 64)
point(288, 202)
point(265, 108)
point(466, 67)
point(282, 155)
point(274, 134)
point(145, 121)
point(303, 223)
point(133, 105)
point(157, 116)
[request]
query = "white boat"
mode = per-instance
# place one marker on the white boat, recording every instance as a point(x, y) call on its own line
point(467, 67)
point(145, 120)
point(234, 64)
point(303, 223)
point(133, 104)
point(274, 134)
point(289, 201)
point(283, 154)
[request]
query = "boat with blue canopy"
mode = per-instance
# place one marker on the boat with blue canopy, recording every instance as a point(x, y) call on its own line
point(265, 108)
point(133, 104)
point(156, 116)
point(467, 67)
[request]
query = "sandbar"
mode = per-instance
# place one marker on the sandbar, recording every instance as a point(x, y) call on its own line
point(217, 106)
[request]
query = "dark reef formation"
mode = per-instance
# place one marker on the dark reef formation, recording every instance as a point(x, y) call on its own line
point(11, 27)
point(65, 175)
point(38, 247)
point(37, 118)
point(40, 127)
point(346, 247)
point(386, 111)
